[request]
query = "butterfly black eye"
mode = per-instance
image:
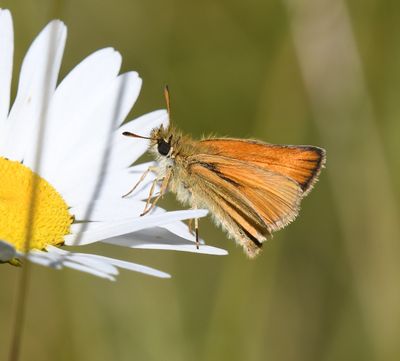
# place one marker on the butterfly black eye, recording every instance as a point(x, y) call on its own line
point(163, 147)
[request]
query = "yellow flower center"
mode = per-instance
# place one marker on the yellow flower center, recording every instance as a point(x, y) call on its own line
point(49, 220)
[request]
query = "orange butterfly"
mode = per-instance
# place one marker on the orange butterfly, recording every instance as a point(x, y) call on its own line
point(251, 188)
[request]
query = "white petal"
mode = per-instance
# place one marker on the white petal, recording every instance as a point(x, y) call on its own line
point(110, 210)
point(6, 62)
point(83, 259)
point(96, 232)
point(181, 230)
point(91, 151)
point(74, 102)
point(128, 150)
point(114, 185)
point(43, 259)
point(88, 269)
point(130, 266)
point(106, 264)
point(124, 152)
point(7, 251)
point(159, 238)
point(57, 261)
point(37, 82)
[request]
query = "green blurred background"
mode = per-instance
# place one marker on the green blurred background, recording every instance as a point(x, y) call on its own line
point(327, 287)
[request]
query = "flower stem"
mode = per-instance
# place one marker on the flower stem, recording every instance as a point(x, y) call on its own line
point(20, 313)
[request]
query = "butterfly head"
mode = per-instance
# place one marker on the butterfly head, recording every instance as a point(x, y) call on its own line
point(162, 141)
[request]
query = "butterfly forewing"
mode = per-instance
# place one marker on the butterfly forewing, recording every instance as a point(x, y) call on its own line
point(300, 163)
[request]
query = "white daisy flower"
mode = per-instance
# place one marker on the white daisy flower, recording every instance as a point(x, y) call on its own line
point(75, 130)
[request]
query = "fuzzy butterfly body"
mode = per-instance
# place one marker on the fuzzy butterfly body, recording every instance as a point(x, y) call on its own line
point(251, 188)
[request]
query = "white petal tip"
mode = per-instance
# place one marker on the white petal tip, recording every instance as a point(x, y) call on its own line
point(163, 275)
point(5, 12)
point(219, 251)
point(57, 22)
point(203, 249)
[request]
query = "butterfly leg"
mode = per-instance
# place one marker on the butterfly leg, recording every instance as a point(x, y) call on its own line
point(150, 169)
point(190, 225)
point(164, 187)
point(196, 229)
point(153, 186)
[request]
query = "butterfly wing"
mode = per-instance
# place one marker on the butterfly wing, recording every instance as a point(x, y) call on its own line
point(249, 201)
point(300, 163)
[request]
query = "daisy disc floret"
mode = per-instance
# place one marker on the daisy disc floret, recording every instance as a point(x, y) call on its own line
point(50, 220)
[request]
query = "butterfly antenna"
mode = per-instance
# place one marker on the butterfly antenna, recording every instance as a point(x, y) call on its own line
point(167, 101)
point(133, 135)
